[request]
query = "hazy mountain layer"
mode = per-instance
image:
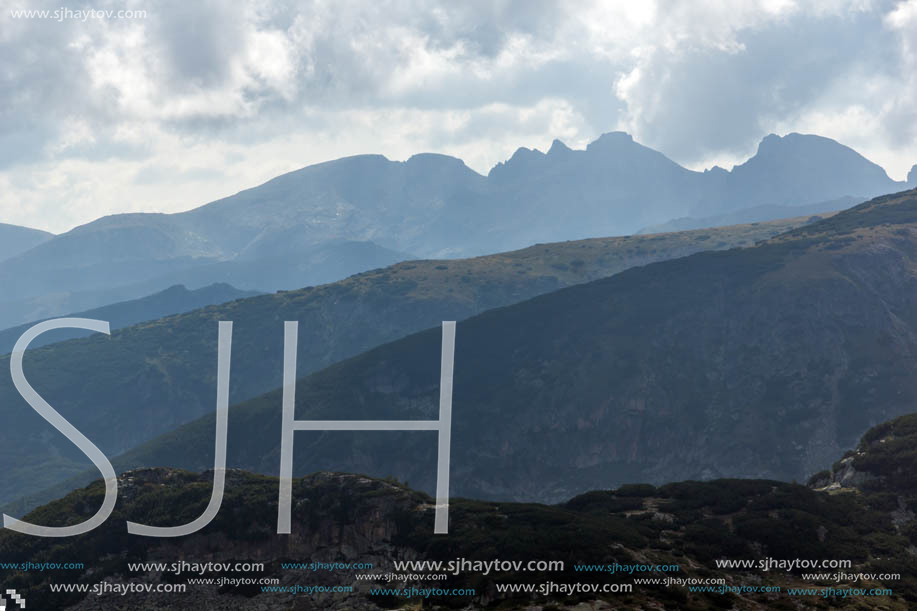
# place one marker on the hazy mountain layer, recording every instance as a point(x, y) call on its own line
point(15, 240)
point(150, 378)
point(174, 300)
point(758, 362)
point(100, 284)
point(751, 215)
point(430, 206)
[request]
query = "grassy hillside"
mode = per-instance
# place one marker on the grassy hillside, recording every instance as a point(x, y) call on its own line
point(152, 377)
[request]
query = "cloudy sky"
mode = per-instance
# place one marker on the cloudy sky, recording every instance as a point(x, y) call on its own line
point(198, 100)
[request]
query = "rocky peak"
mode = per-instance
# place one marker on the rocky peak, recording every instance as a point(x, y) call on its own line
point(611, 142)
point(558, 148)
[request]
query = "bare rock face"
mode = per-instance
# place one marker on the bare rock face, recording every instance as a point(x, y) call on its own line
point(882, 465)
point(842, 475)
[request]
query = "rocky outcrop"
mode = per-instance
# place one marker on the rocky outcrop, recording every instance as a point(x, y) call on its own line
point(348, 531)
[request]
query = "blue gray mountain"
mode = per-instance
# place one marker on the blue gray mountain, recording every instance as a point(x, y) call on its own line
point(754, 214)
point(174, 300)
point(329, 220)
point(762, 362)
point(15, 240)
point(48, 284)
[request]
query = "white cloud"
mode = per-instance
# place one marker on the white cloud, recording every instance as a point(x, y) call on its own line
point(199, 100)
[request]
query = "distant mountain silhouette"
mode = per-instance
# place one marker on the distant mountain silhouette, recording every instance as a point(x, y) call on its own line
point(153, 376)
point(801, 169)
point(755, 214)
point(15, 239)
point(174, 300)
point(618, 186)
point(763, 362)
point(370, 212)
point(91, 286)
point(613, 187)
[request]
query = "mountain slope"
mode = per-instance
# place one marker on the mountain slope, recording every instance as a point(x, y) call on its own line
point(174, 300)
point(15, 240)
point(757, 362)
point(149, 378)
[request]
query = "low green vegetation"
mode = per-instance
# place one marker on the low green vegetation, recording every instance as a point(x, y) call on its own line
point(350, 518)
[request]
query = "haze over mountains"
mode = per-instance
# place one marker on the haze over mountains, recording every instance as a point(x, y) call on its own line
point(152, 377)
point(15, 240)
point(762, 362)
point(751, 215)
point(341, 217)
point(174, 300)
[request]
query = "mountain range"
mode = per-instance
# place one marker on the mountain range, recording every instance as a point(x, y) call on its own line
point(646, 398)
point(760, 362)
point(358, 213)
point(151, 377)
point(764, 361)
